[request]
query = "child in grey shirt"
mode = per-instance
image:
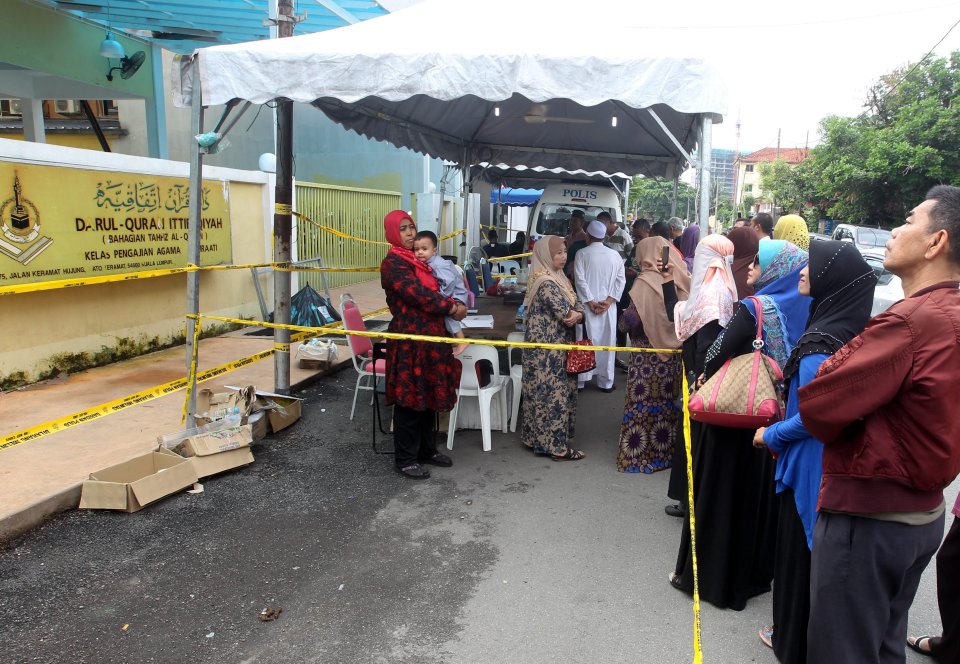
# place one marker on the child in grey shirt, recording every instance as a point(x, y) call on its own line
point(447, 275)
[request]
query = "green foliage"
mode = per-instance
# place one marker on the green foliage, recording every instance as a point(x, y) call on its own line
point(651, 198)
point(875, 167)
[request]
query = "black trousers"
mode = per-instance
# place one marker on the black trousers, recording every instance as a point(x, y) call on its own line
point(414, 438)
point(946, 650)
point(864, 575)
point(791, 585)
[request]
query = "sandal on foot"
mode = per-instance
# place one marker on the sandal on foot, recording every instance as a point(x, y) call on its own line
point(915, 644)
point(766, 636)
point(569, 455)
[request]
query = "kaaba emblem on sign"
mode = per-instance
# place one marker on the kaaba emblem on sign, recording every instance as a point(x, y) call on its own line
point(20, 224)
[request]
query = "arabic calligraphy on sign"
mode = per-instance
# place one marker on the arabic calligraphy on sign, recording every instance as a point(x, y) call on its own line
point(140, 196)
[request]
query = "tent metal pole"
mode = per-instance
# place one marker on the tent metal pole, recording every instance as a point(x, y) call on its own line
point(283, 221)
point(706, 137)
point(626, 201)
point(193, 242)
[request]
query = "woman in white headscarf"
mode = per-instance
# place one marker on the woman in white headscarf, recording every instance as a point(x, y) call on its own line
point(698, 321)
point(549, 408)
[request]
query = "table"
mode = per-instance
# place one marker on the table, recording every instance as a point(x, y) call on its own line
point(504, 322)
point(504, 318)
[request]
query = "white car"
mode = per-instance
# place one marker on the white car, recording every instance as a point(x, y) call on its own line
point(888, 289)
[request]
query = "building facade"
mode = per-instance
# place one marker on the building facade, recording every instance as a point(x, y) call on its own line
point(747, 172)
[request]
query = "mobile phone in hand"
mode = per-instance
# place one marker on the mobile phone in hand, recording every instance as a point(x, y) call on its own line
point(665, 259)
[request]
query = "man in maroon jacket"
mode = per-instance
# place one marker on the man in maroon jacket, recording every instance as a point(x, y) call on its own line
point(885, 408)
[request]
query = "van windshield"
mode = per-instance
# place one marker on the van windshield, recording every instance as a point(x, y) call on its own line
point(554, 218)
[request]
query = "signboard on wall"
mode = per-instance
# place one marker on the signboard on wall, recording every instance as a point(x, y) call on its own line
point(68, 223)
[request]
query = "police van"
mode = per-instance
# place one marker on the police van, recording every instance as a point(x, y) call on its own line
point(551, 214)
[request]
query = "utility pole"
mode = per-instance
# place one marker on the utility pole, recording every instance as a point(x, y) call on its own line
point(282, 219)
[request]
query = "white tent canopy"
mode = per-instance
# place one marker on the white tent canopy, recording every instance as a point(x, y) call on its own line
point(491, 81)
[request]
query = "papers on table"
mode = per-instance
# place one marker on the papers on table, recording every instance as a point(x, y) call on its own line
point(478, 322)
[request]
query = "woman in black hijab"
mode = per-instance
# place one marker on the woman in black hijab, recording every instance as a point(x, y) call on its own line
point(841, 284)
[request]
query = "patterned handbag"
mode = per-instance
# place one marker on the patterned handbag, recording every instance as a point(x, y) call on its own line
point(581, 361)
point(744, 393)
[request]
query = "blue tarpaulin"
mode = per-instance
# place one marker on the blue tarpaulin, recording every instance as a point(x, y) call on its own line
point(521, 197)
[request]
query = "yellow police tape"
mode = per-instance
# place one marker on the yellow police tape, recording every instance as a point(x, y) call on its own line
point(336, 232)
point(509, 258)
point(90, 414)
point(319, 331)
point(697, 642)
point(150, 274)
point(115, 406)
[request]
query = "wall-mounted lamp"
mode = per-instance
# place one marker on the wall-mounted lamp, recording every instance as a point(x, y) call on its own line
point(110, 48)
point(267, 162)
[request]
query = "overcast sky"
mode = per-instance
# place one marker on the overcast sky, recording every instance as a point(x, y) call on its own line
point(786, 65)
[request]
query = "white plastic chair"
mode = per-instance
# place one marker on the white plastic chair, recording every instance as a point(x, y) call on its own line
point(470, 388)
point(516, 375)
point(507, 267)
point(361, 350)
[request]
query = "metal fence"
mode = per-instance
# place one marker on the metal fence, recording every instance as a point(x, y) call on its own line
point(356, 212)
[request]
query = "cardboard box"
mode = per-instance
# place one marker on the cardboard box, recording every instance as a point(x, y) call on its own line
point(214, 452)
point(282, 410)
point(215, 442)
point(213, 406)
point(134, 484)
point(214, 464)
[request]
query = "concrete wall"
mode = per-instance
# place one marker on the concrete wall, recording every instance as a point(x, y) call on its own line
point(35, 327)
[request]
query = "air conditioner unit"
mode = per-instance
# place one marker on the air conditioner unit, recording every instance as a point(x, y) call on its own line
point(66, 107)
point(11, 107)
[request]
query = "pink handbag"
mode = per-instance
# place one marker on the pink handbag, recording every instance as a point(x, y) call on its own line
point(744, 393)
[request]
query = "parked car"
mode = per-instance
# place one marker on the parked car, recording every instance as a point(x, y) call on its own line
point(863, 237)
point(888, 289)
point(818, 236)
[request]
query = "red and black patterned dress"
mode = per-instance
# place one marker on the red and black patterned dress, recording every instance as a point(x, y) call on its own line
point(420, 376)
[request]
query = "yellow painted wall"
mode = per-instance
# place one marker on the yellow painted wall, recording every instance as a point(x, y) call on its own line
point(34, 327)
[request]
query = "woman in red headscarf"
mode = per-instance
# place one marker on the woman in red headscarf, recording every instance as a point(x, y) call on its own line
point(422, 378)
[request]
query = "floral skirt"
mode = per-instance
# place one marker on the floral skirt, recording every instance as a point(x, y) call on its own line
point(651, 412)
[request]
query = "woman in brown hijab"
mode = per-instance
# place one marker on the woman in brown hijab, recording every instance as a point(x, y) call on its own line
point(549, 406)
point(745, 248)
point(651, 412)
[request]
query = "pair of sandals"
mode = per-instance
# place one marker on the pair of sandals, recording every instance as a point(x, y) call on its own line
point(915, 643)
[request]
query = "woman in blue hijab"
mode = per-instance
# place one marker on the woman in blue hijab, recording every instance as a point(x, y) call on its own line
point(735, 499)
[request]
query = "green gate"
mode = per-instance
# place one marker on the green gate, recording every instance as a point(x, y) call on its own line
point(358, 213)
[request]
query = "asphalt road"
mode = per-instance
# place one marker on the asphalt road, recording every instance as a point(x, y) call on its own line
point(505, 557)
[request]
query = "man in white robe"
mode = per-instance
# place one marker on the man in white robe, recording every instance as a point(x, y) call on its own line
point(599, 277)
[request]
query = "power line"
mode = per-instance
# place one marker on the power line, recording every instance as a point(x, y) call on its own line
point(919, 62)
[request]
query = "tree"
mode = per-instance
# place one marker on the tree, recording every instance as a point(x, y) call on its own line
point(651, 198)
point(793, 187)
point(873, 168)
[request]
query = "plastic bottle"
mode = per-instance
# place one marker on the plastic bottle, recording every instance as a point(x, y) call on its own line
point(234, 419)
